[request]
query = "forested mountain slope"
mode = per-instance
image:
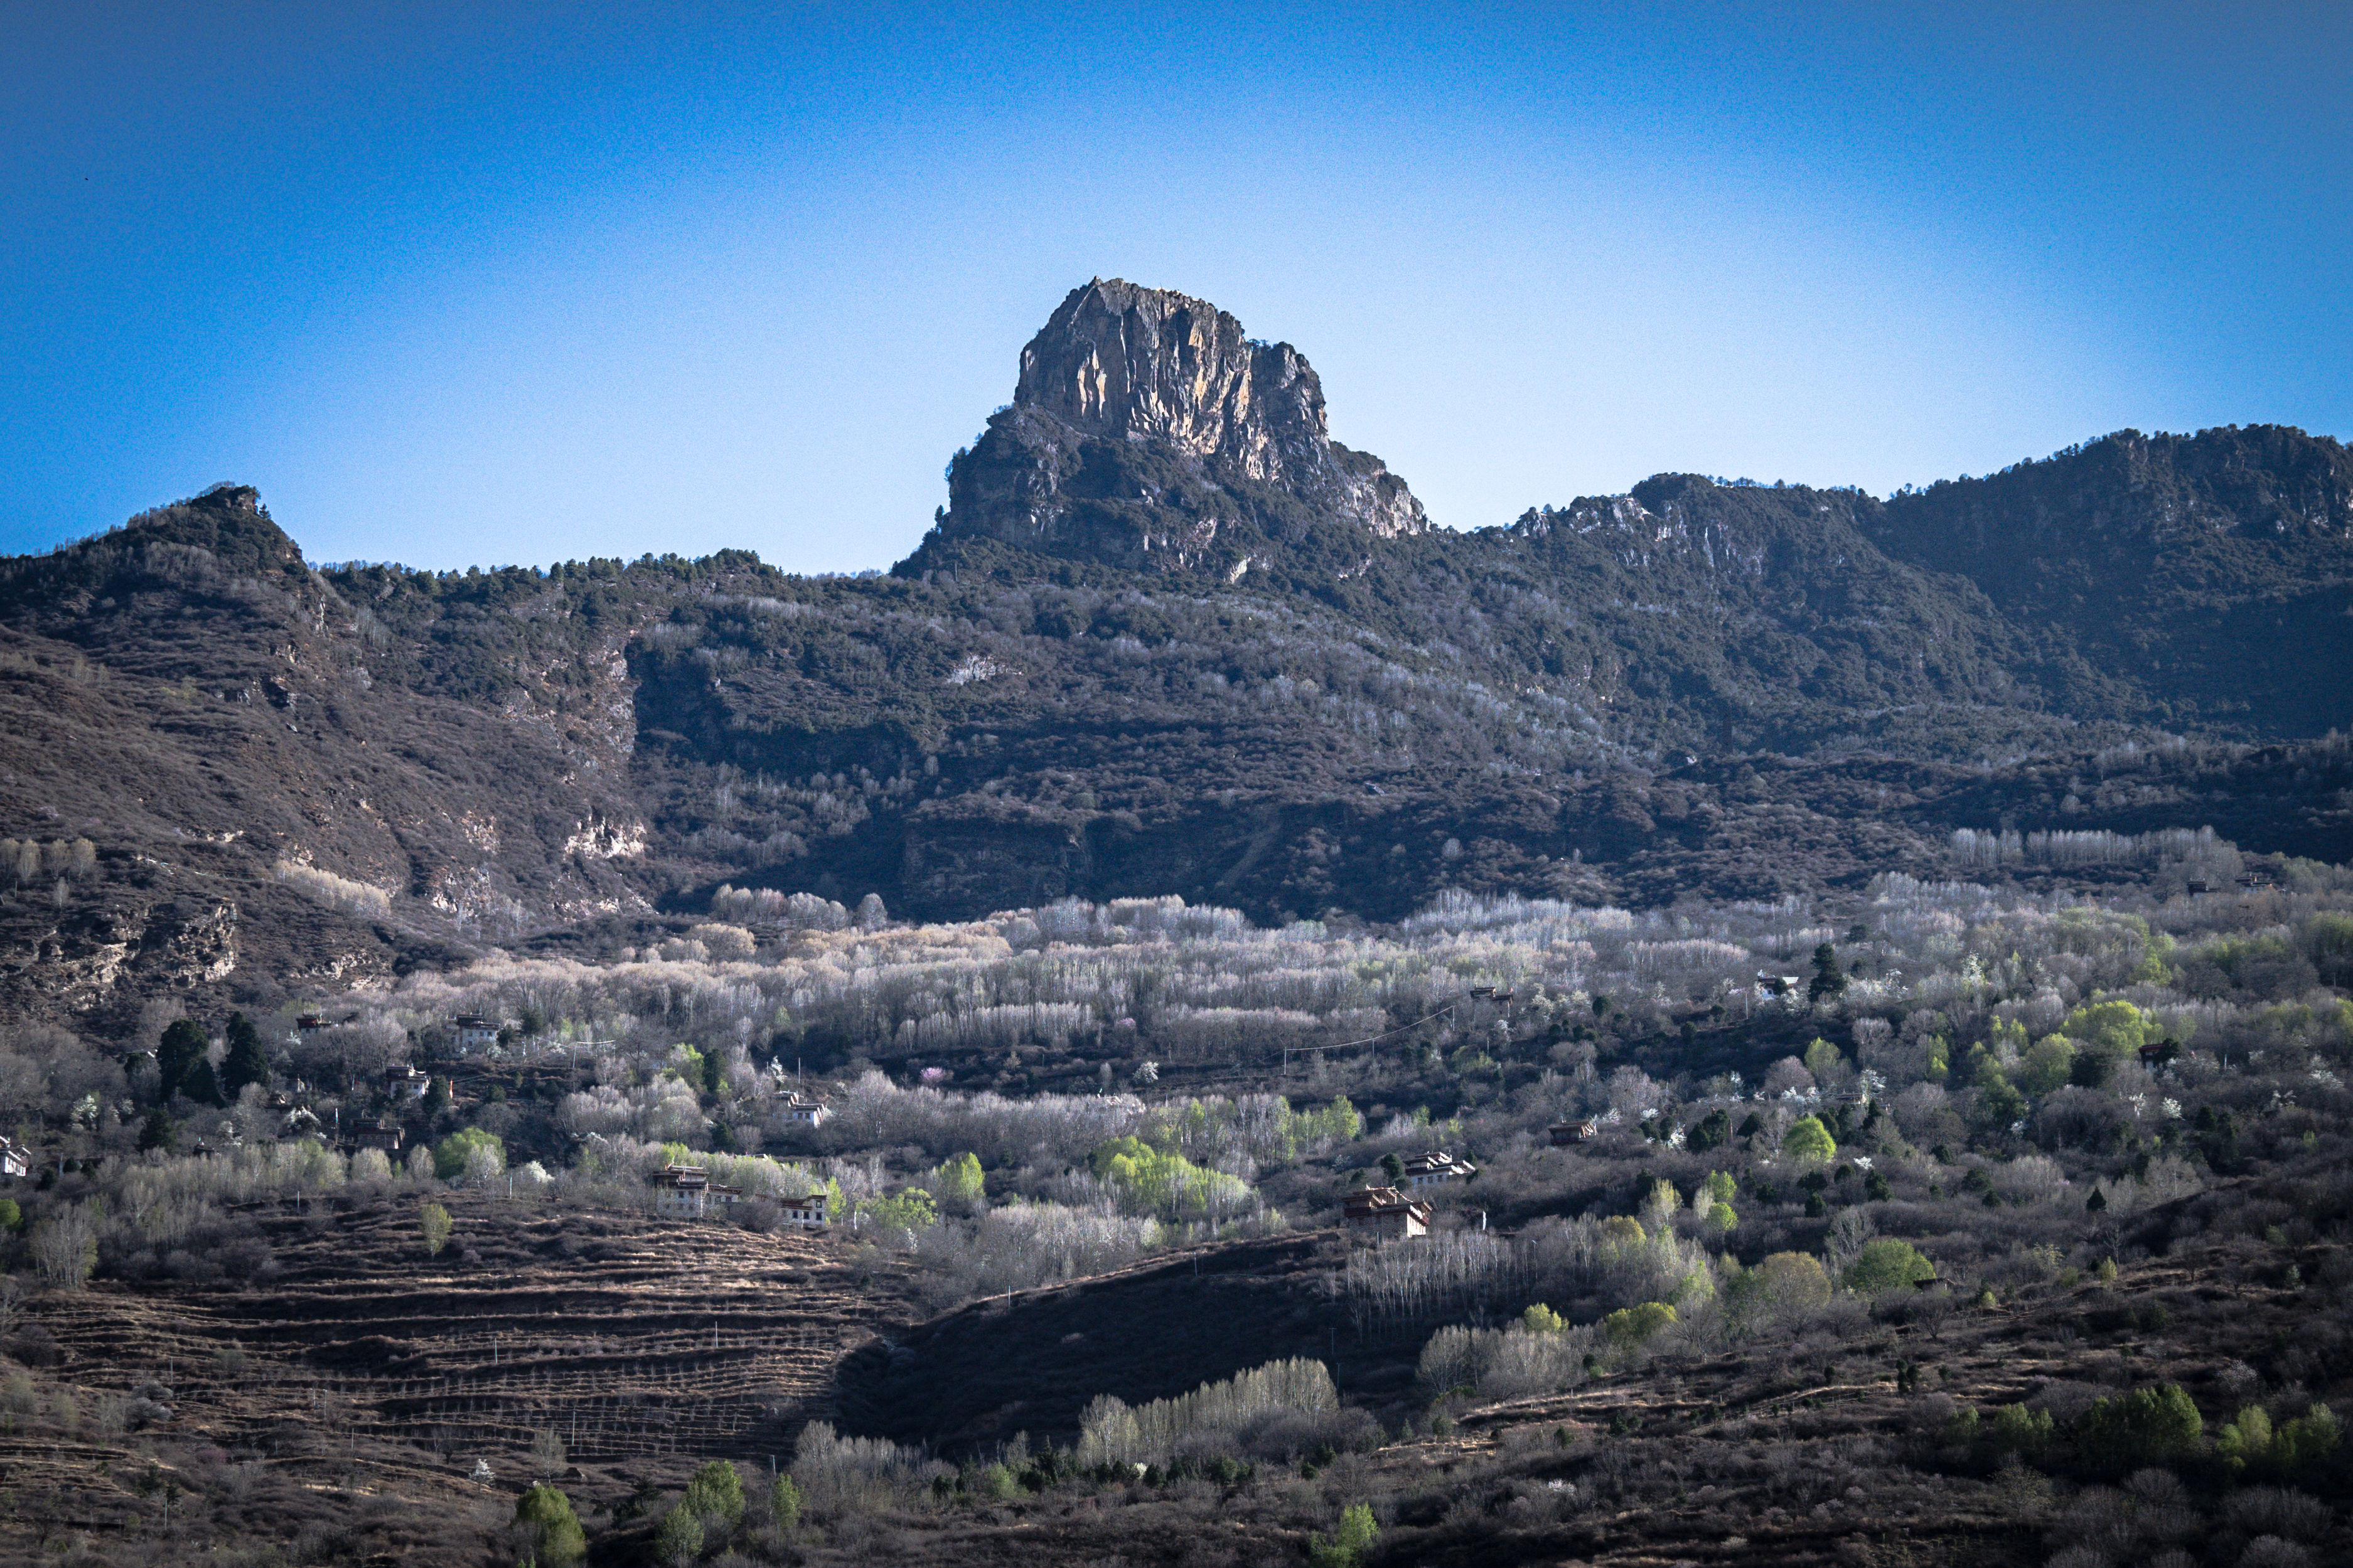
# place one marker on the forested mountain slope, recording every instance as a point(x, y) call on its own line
point(1168, 637)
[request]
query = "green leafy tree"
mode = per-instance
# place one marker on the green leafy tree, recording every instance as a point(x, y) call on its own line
point(2014, 1426)
point(1346, 1545)
point(679, 1542)
point(2292, 1451)
point(909, 1208)
point(2148, 1425)
point(784, 1503)
point(1631, 1326)
point(2047, 1065)
point(2245, 1443)
point(433, 1220)
point(1542, 1319)
point(2329, 942)
point(1163, 1182)
point(556, 1537)
point(1823, 1060)
point(1887, 1264)
point(1809, 1142)
point(959, 1181)
point(182, 1048)
point(2115, 1028)
point(1393, 1168)
point(247, 1062)
point(12, 1218)
point(2305, 1444)
point(451, 1154)
point(715, 1493)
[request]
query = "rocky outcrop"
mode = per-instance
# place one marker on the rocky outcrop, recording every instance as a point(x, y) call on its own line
point(1147, 431)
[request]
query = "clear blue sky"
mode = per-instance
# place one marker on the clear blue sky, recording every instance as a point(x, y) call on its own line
point(484, 284)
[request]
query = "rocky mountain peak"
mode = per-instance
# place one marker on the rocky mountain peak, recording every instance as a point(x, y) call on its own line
point(228, 520)
point(1147, 429)
point(1151, 364)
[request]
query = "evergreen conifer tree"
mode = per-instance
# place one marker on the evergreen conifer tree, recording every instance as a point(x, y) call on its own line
point(247, 1062)
point(1828, 979)
point(182, 1048)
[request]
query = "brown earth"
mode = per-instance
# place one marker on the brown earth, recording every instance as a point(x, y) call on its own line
point(336, 1409)
point(365, 1371)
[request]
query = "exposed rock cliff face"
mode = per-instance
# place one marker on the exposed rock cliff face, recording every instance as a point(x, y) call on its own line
point(1147, 431)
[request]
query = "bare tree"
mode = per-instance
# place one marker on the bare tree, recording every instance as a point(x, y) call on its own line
point(65, 1248)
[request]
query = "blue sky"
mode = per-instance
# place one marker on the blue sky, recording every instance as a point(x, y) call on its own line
point(477, 285)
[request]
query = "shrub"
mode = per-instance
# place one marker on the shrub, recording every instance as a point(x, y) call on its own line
point(433, 1220)
point(557, 1536)
point(1888, 1264)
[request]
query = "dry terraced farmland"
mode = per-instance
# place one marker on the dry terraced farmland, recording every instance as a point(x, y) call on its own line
point(359, 1369)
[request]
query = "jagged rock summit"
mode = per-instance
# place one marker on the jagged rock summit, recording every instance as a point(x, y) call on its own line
point(1148, 431)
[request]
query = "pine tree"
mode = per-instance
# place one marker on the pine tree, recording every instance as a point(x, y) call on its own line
point(247, 1062)
point(157, 1131)
point(1828, 979)
point(182, 1047)
point(200, 1085)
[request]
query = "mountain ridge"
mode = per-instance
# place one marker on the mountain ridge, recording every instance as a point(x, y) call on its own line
point(289, 771)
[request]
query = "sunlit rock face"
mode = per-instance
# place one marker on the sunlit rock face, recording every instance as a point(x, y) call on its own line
point(1147, 430)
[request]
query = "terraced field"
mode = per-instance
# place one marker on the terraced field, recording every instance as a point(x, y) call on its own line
point(360, 1368)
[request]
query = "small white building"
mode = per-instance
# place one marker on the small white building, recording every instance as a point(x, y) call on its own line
point(807, 1211)
point(403, 1082)
point(687, 1192)
point(475, 1033)
point(1437, 1166)
point(16, 1160)
point(799, 1110)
